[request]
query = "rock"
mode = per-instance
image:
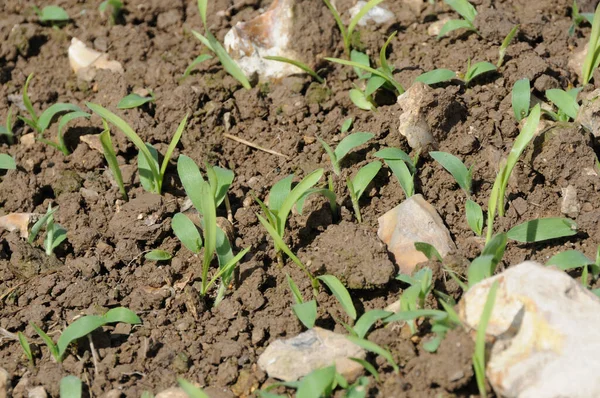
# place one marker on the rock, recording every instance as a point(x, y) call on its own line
point(569, 203)
point(4, 383)
point(93, 141)
point(589, 113)
point(413, 123)
point(266, 35)
point(544, 329)
point(28, 139)
point(291, 359)
point(173, 392)
point(353, 254)
point(37, 392)
point(84, 60)
point(414, 220)
point(377, 14)
point(436, 27)
point(19, 222)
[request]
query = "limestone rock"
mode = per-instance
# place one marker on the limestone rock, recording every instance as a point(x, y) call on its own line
point(589, 113)
point(4, 383)
point(544, 329)
point(291, 359)
point(436, 27)
point(19, 222)
point(569, 203)
point(413, 123)
point(414, 220)
point(37, 392)
point(84, 60)
point(377, 14)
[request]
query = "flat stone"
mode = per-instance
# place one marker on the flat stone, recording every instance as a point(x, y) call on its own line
point(544, 327)
point(589, 113)
point(414, 220)
point(413, 120)
point(569, 204)
point(294, 358)
point(37, 392)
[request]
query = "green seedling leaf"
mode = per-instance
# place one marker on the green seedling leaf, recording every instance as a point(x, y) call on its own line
point(340, 293)
point(317, 383)
point(436, 315)
point(122, 314)
point(48, 341)
point(570, 259)
point(592, 58)
point(394, 154)
point(306, 313)
point(464, 9)
point(367, 320)
point(403, 174)
point(359, 99)
point(454, 24)
point(363, 178)
point(480, 268)
point(363, 59)
point(375, 72)
point(478, 69)
point(52, 14)
point(346, 125)
point(349, 143)
point(436, 76)
point(328, 193)
point(172, 146)
point(474, 216)
point(373, 84)
point(295, 194)
point(145, 170)
point(55, 236)
point(370, 346)
point(133, 101)
point(226, 270)
point(505, 43)
point(521, 97)
point(496, 247)
point(63, 122)
point(340, 24)
point(27, 102)
point(294, 288)
point(224, 179)
point(187, 232)
point(368, 367)
point(209, 213)
point(564, 102)
point(429, 251)
point(158, 255)
point(39, 224)
point(297, 64)
point(25, 346)
point(543, 229)
point(385, 66)
point(279, 192)
point(479, 355)
point(191, 390)
point(111, 159)
point(7, 162)
point(47, 116)
point(70, 387)
point(191, 179)
point(80, 328)
point(454, 166)
point(202, 9)
point(197, 61)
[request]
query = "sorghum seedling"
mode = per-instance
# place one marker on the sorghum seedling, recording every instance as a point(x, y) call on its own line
point(111, 158)
point(305, 311)
point(476, 70)
point(565, 101)
point(113, 8)
point(505, 43)
point(52, 14)
point(197, 61)
point(465, 10)
point(521, 98)
point(346, 145)
point(360, 182)
point(7, 129)
point(135, 100)
point(579, 17)
point(55, 234)
point(403, 166)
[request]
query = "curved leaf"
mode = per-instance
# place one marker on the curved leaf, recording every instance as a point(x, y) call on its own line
point(306, 313)
point(521, 98)
point(158, 255)
point(70, 387)
point(46, 117)
point(454, 24)
point(543, 229)
point(133, 101)
point(569, 259)
point(81, 327)
point(363, 178)
point(307, 182)
point(340, 292)
point(7, 162)
point(367, 320)
point(436, 76)
point(350, 142)
point(359, 99)
point(187, 232)
point(191, 179)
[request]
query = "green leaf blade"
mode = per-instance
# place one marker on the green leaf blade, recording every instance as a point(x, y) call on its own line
point(340, 292)
point(363, 178)
point(521, 97)
point(133, 101)
point(436, 76)
point(542, 229)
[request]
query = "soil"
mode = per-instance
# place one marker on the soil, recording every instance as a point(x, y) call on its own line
point(101, 265)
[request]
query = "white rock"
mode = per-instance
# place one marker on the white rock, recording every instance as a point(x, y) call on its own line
point(4, 383)
point(377, 14)
point(266, 35)
point(37, 392)
point(414, 220)
point(413, 123)
point(545, 331)
point(570, 204)
point(84, 59)
point(589, 113)
point(173, 392)
point(291, 359)
point(436, 27)
point(18, 222)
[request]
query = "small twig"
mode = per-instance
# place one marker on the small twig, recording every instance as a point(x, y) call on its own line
point(250, 144)
point(94, 354)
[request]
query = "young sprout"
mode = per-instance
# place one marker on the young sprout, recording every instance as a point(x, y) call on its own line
point(298, 64)
point(479, 354)
point(349, 31)
point(565, 101)
point(592, 58)
point(213, 45)
point(465, 10)
point(485, 265)
point(151, 176)
point(572, 259)
point(135, 100)
point(55, 234)
point(111, 159)
point(476, 70)
point(360, 182)
point(403, 167)
point(113, 8)
point(7, 162)
point(52, 14)
point(7, 129)
point(349, 143)
point(158, 255)
point(197, 61)
point(70, 387)
point(26, 347)
point(579, 18)
point(505, 43)
point(305, 311)
point(374, 348)
point(84, 326)
point(521, 98)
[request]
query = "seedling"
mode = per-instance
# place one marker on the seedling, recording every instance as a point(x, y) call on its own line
point(111, 158)
point(521, 98)
point(505, 43)
point(436, 76)
point(413, 297)
point(52, 14)
point(542, 229)
point(572, 259)
point(465, 10)
point(84, 326)
point(7, 162)
point(197, 61)
point(41, 123)
point(113, 8)
point(213, 45)
point(485, 265)
point(347, 33)
point(476, 70)
point(579, 18)
point(592, 58)
point(298, 64)
point(565, 101)
point(403, 166)
point(158, 255)
point(55, 234)
point(206, 196)
point(360, 182)
point(135, 100)
point(346, 145)
point(151, 176)
point(305, 311)
point(7, 129)
point(26, 347)
point(366, 322)
point(479, 355)
point(70, 387)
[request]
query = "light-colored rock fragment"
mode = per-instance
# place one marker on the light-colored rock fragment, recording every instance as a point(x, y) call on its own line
point(414, 220)
point(93, 141)
point(544, 328)
point(292, 359)
point(173, 392)
point(37, 392)
point(377, 14)
point(436, 27)
point(576, 60)
point(589, 112)
point(266, 35)
point(569, 204)
point(18, 222)
point(84, 59)
point(413, 123)
point(28, 139)
point(4, 383)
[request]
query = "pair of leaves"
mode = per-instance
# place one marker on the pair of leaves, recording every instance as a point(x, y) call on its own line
point(402, 166)
point(477, 69)
point(565, 101)
point(465, 10)
point(346, 145)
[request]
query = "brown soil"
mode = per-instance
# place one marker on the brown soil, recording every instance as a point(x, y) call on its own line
point(101, 265)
